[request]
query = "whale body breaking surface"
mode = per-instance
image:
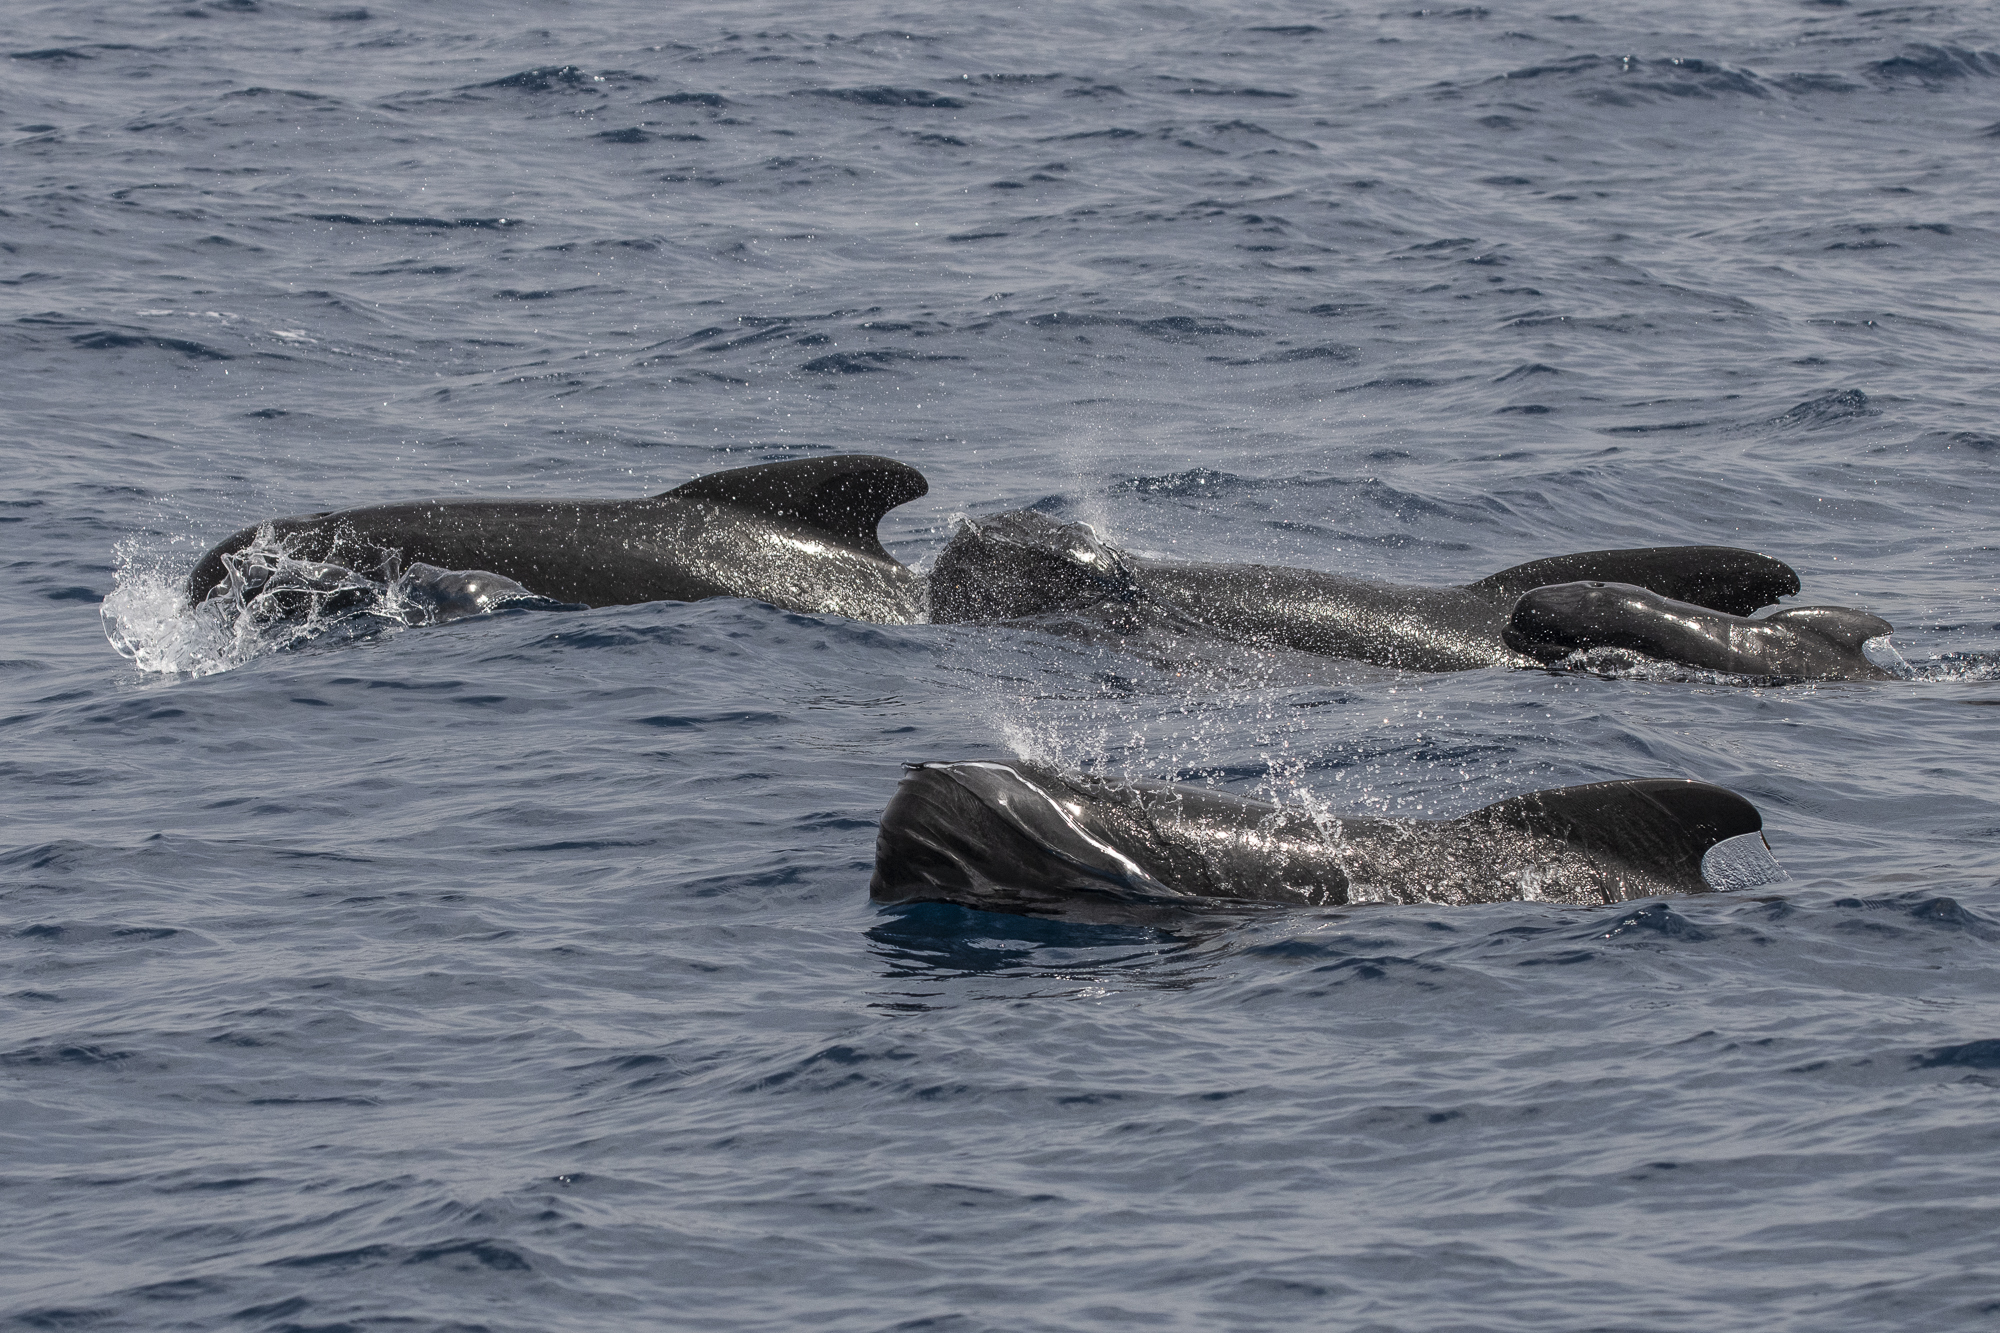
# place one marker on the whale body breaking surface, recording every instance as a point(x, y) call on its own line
point(801, 535)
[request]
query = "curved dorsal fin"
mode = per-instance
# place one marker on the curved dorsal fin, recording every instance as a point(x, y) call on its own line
point(1720, 578)
point(1664, 824)
point(844, 496)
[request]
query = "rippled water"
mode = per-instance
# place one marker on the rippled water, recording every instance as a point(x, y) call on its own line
point(519, 973)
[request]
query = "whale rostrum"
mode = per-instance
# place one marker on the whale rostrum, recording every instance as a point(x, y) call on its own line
point(1022, 838)
point(802, 535)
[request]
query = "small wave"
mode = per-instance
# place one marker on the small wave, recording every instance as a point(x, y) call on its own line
point(1624, 664)
point(273, 601)
point(1955, 668)
point(1881, 651)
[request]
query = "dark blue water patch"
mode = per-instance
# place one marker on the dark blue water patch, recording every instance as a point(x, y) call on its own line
point(561, 79)
point(106, 340)
point(1168, 328)
point(1654, 428)
point(869, 362)
point(1965, 1055)
point(56, 1054)
point(1389, 383)
point(1653, 921)
point(1965, 442)
point(1204, 88)
point(634, 134)
point(1200, 481)
point(670, 721)
point(891, 97)
point(1935, 65)
point(1841, 405)
point(413, 221)
point(1411, 973)
point(963, 939)
point(837, 1066)
point(1315, 948)
point(1331, 352)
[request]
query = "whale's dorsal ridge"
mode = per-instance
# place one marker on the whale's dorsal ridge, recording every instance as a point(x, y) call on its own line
point(1721, 578)
point(845, 495)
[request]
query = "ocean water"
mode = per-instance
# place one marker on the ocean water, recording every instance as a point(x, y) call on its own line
point(519, 973)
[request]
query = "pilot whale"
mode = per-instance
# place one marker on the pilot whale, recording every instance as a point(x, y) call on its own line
point(798, 534)
point(1797, 643)
point(1022, 838)
point(801, 535)
point(1025, 565)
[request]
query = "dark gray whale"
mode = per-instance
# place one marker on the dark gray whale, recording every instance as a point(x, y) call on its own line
point(799, 535)
point(1797, 643)
point(802, 535)
point(1023, 565)
point(1020, 838)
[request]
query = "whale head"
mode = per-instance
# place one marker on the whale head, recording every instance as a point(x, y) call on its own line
point(1798, 643)
point(1024, 563)
point(1013, 837)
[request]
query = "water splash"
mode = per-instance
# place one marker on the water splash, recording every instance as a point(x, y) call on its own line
point(271, 600)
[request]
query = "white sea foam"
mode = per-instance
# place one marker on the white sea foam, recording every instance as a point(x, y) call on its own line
point(273, 600)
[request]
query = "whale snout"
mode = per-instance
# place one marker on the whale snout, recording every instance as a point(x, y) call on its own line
point(1003, 838)
point(1550, 623)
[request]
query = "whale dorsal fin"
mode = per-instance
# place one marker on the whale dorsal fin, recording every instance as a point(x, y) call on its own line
point(1720, 578)
point(845, 496)
point(1842, 626)
point(1665, 825)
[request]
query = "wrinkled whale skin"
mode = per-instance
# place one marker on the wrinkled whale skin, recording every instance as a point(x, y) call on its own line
point(1022, 838)
point(1023, 564)
point(797, 534)
point(1797, 643)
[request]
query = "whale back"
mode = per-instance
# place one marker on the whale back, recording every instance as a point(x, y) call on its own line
point(1721, 578)
point(844, 496)
point(1017, 837)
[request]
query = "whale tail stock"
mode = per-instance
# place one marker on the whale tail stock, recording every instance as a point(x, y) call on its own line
point(1721, 578)
point(845, 495)
point(1017, 838)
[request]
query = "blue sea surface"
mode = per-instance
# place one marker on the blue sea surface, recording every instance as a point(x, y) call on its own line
point(520, 974)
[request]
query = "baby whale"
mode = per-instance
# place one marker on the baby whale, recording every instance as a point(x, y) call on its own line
point(801, 535)
point(1021, 838)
